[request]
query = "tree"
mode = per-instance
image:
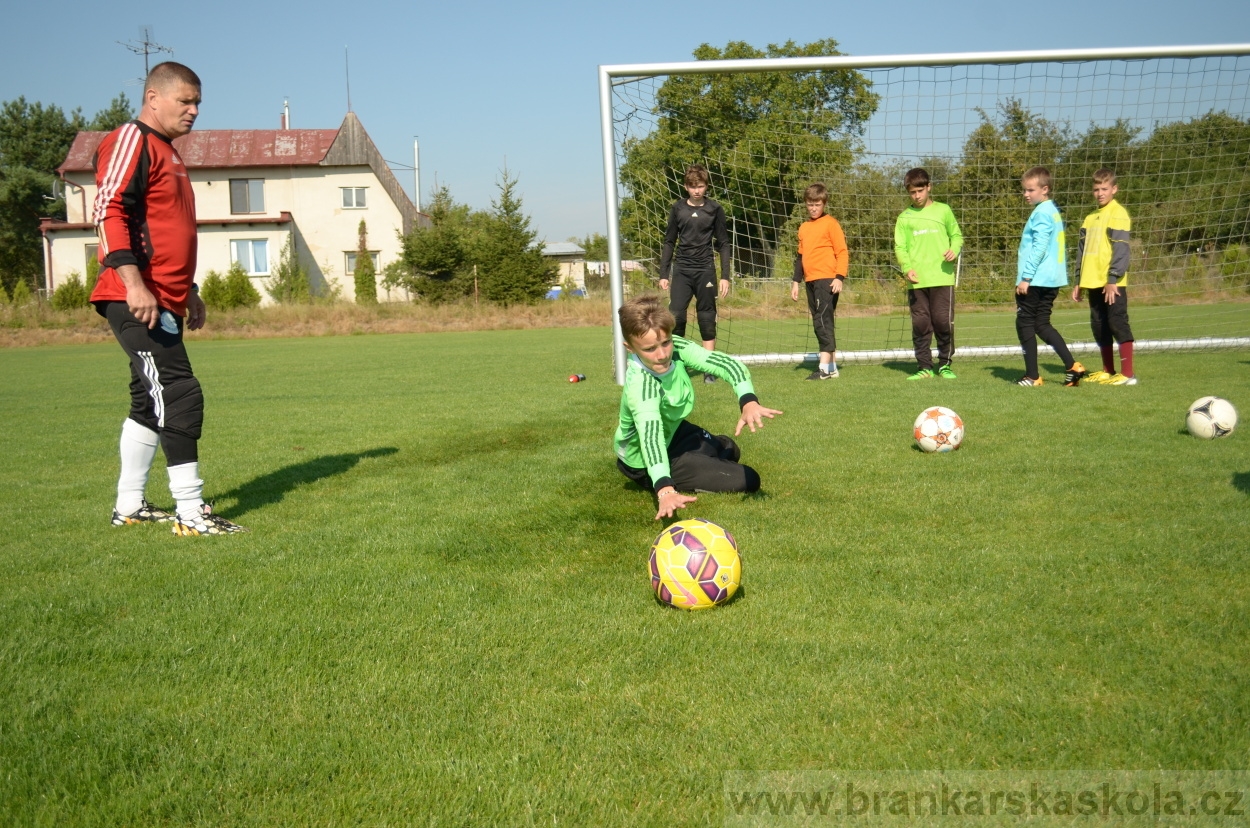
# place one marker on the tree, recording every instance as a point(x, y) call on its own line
point(511, 265)
point(733, 119)
point(34, 141)
point(436, 258)
point(289, 284)
point(366, 273)
point(22, 202)
point(596, 247)
point(986, 188)
point(118, 112)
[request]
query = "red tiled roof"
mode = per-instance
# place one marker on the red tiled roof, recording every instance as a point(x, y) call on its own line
point(222, 148)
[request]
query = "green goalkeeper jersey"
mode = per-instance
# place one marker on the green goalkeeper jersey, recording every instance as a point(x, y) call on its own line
point(653, 405)
point(921, 238)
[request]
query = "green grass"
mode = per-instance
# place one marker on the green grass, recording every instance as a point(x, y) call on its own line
point(442, 615)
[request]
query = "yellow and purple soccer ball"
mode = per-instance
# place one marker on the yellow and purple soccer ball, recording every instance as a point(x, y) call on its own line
point(938, 429)
point(695, 565)
point(1211, 417)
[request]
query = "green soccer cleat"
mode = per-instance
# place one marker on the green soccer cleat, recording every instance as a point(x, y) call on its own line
point(1099, 377)
point(205, 523)
point(923, 374)
point(945, 372)
point(146, 513)
point(1120, 379)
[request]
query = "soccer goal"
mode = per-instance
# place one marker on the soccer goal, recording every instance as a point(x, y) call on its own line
point(1173, 123)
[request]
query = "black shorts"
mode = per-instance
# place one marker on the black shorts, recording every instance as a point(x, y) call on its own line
point(165, 396)
point(701, 462)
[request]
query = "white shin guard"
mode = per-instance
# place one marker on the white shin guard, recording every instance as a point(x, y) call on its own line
point(138, 450)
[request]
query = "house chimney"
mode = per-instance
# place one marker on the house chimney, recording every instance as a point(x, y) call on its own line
point(286, 115)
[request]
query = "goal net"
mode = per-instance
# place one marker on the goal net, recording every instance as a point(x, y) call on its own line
point(1174, 124)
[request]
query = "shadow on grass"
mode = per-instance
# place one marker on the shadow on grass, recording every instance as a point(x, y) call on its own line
point(1241, 481)
point(907, 368)
point(272, 487)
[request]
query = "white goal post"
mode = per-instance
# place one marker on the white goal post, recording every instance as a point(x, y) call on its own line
point(1081, 108)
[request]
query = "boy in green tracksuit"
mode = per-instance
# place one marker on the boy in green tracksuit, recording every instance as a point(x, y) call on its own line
point(927, 242)
point(656, 446)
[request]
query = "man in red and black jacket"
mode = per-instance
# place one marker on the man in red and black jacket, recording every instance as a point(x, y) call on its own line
point(145, 218)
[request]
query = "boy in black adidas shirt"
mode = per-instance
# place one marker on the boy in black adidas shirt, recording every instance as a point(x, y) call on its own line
point(696, 225)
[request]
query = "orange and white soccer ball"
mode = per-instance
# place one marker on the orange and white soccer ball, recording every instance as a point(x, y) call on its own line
point(694, 565)
point(939, 429)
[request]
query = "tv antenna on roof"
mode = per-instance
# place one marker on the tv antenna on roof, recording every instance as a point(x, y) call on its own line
point(146, 46)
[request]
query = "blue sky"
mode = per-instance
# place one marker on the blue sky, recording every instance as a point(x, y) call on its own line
point(481, 82)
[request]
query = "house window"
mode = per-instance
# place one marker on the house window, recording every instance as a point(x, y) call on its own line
point(351, 261)
point(353, 197)
point(253, 254)
point(247, 195)
point(92, 254)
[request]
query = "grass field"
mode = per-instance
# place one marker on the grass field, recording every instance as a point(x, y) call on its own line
point(441, 615)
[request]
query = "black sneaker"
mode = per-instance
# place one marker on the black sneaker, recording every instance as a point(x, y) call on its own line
point(1073, 376)
point(206, 523)
point(709, 379)
point(146, 513)
point(822, 375)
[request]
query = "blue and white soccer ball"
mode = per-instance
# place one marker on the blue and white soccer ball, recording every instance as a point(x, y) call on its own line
point(1211, 417)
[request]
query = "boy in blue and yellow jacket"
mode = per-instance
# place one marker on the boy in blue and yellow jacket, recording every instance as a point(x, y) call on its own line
point(1040, 272)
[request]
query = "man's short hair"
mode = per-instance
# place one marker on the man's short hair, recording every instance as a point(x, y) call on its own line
point(163, 74)
point(916, 177)
point(641, 315)
point(1105, 176)
point(696, 175)
point(817, 192)
point(1039, 174)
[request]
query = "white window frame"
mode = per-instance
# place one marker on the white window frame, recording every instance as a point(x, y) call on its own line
point(251, 188)
point(356, 195)
point(237, 245)
point(349, 258)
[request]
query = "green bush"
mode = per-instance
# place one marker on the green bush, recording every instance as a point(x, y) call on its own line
point(234, 290)
point(71, 293)
point(22, 294)
point(213, 291)
point(240, 292)
point(290, 284)
point(4, 295)
point(1235, 266)
point(93, 274)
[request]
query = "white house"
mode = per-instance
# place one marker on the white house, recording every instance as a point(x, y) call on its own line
point(254, 190)
point(570, 261)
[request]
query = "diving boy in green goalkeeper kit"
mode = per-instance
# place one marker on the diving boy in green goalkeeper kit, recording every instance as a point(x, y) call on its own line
point(656, 446)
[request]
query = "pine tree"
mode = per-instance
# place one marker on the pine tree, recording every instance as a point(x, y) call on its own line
point(366, 273)
point(290, 284)
point(513, 269)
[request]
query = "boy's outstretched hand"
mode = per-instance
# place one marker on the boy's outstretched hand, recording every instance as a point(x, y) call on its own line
point(753, 415)
point(670, 500)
